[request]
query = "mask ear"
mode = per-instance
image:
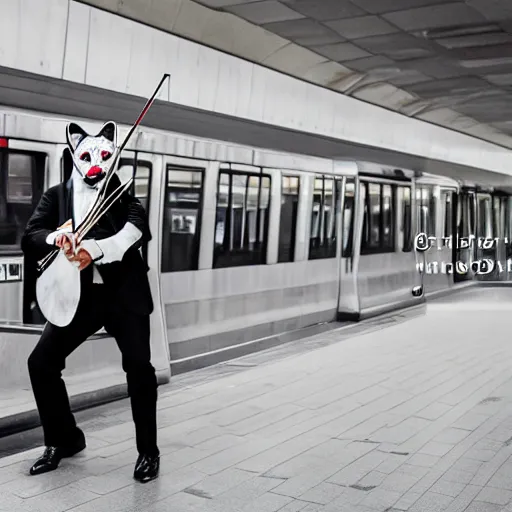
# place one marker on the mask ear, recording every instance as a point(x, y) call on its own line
point(109, 131)
point(75, 135)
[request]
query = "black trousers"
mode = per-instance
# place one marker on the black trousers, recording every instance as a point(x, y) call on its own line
point(48, 359)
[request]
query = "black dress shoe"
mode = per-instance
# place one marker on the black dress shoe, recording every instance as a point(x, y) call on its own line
point(52, 456)
point(146, 468)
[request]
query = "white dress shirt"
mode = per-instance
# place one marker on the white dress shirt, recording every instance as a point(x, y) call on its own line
point(103, 251)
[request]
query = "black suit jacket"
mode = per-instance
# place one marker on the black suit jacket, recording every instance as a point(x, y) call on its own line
point(128, 278)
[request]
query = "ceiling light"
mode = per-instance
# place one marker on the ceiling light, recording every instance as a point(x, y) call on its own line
point(467, 30)
point(480, 63)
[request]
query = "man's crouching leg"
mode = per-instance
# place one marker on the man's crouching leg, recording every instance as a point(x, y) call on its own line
point(132, 333)
point(62, 437)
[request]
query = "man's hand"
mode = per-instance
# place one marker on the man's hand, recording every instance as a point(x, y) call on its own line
point(82, 258)
point(65, 242)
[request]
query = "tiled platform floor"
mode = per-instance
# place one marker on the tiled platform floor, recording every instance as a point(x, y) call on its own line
point(415, 416)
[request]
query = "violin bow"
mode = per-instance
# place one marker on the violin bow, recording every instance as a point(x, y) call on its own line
point(101, 205)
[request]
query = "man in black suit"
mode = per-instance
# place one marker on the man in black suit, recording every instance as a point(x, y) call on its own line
point(115, 294)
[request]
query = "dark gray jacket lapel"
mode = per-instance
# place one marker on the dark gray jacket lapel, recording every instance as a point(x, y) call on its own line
point(69, 202)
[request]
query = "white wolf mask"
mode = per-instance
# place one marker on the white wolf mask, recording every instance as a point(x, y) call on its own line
point(91, 153)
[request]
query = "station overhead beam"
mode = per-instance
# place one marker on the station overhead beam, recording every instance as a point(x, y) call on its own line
point(27, 91)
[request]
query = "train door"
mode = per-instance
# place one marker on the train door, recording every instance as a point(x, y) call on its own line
point(146, 171)
point(485, 257)
point(446, 234)
point(427, 214)
point(348, 300)
point(284, 204)
point(464, 231)
point(499, 226)
point(26, 170)
point(189, 229)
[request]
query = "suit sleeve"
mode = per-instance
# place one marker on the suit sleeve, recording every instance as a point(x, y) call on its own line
point(41, 224)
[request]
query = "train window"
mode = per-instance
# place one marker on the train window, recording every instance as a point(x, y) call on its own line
point(141, 182)
point(447, 198)
point(503, 217)
point(480, 230)
point(498, 216)
point(432, 212)
point(484, 226)
point(140, 170)
point(222, 208)
point(326, 195)
point(463, 217)
point(182, 219)
point(466, 214)
point(66, 165)
point(242, 219)
point(348, 218)
point(387, 216)
point(379, 219)
point(288, 221)
point(374, 215)
point(125, 169)
point(371, 222)
point(19, 178)
point(472, 212)
point(508, 225)
point(316, 209)
point(406, 227)
point(421, 194)
point(426, 205)
point(21, 186)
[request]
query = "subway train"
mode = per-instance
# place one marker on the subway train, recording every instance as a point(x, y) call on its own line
point(250, 244)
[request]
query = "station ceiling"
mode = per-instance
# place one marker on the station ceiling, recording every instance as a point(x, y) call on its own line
point(445, 61)
point(448, 62)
